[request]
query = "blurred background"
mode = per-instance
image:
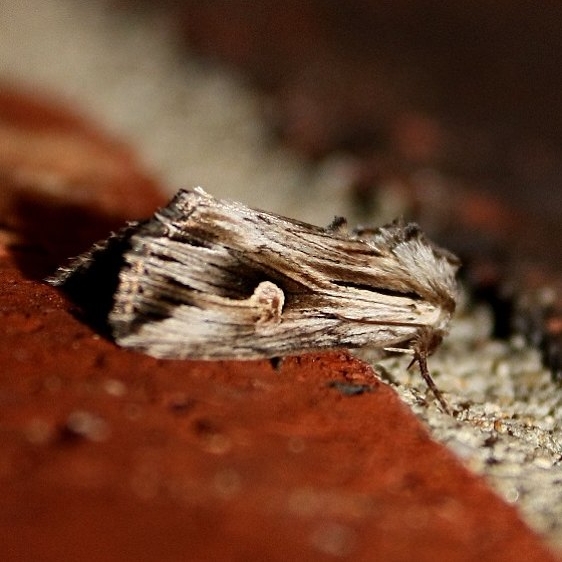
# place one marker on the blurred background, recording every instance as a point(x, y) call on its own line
point(311, 108)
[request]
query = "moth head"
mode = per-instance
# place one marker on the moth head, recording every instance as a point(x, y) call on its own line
point(428, 340)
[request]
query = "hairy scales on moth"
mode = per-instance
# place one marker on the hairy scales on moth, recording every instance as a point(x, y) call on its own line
point(213, 279)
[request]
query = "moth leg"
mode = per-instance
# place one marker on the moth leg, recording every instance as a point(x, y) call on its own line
point(276, 363)
point(420, 356)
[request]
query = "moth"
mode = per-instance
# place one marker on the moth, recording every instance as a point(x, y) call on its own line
point(208, 278)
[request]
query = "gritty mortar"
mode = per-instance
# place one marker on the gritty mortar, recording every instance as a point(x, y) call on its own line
point(509, 422)
point(199, 125)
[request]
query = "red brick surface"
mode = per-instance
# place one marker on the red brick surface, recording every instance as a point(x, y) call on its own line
point(109, 455)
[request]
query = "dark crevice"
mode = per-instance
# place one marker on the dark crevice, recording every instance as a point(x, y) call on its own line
point(381, 290)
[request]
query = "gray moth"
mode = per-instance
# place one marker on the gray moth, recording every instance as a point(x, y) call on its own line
point(206, 278)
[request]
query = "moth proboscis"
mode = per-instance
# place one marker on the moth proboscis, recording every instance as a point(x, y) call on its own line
point(208, 278)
